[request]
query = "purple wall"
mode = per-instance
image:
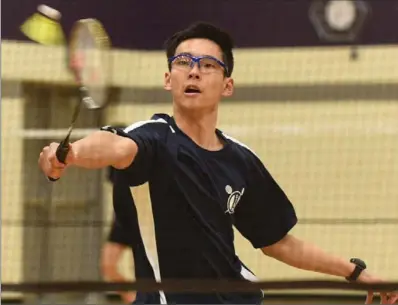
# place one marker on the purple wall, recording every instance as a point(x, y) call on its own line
point(253, 23)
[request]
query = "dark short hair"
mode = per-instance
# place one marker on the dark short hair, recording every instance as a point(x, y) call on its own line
point(207, 31)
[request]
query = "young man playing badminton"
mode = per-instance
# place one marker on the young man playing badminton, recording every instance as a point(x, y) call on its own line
point(120, 239)
point(202, 182)
point(112, 250)
point(125, 233)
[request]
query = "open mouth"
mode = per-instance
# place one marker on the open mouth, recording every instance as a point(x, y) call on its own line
point(192, 89)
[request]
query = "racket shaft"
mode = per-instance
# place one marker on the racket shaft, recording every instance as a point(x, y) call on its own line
point(63, 148)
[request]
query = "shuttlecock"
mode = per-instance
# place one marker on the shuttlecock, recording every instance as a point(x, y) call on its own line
point(44, 27)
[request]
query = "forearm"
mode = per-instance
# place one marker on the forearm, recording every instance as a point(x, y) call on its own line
point(102, 149)
point(113, 275)
point(303, 255)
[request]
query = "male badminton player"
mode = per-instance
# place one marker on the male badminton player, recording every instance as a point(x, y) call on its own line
point(125, 234)
point(120, 240)
point(203, 182)
point(112, 251)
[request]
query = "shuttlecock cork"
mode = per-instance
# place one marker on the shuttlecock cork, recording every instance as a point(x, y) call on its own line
point(49, 12)
point(44, 27)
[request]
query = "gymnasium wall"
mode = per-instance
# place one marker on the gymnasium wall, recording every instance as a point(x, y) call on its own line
point(325, 126)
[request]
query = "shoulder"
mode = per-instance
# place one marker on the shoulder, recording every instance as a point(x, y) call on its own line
point(157, 125)
point(158, 121)
point(241, 149)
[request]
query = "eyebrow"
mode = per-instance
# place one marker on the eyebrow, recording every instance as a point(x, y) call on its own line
point(185, 53)
point(188, 53)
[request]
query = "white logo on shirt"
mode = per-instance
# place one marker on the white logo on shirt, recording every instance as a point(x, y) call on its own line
point(233, 199)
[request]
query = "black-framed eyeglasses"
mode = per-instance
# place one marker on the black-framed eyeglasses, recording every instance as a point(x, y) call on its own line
point(206, 64)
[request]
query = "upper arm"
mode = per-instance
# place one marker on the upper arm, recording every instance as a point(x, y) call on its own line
point(144, 139)
point(127, 150)
point(282, 246)
point(265, 215)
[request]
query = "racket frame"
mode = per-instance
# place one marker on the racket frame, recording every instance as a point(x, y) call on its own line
point(102, 42)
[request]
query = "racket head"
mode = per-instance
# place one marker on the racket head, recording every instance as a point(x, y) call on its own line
point(90, 60)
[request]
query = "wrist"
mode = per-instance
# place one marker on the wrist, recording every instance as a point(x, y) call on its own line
point(364, 277)
point(358, 269)
point(71, 156)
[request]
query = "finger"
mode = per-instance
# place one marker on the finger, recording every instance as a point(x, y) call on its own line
point(55, 163)
point(369, 298)
point(55, 173)
point(53, 169)
point(128, 297)
point(43, 162)
point(40, 158)
point(393, 298)
point(384, 298)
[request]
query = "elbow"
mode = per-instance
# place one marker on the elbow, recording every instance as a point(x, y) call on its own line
point(279, 249)
point(289, 250)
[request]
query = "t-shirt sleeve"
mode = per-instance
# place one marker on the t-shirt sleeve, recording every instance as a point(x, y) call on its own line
point(118, 235)
point(148, 136)
point(265, 214)
point(125, 227)
point(123, 204)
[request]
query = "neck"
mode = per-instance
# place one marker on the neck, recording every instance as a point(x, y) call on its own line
point(200, 127)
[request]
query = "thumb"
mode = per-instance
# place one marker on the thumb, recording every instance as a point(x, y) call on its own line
point(63, 154)
point(69, 158)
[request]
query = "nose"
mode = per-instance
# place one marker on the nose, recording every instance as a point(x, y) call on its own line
point(195, 71)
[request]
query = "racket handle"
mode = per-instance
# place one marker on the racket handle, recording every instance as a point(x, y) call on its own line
point(61, 153)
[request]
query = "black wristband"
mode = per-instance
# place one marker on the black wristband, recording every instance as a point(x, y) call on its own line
point(359, 267)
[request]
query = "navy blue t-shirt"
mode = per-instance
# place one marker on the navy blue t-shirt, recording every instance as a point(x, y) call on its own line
point(197, 197)
point(120, 232)
point(119, 235)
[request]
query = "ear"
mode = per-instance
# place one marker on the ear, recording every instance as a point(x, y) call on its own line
point(228, 87)
point(167, 81)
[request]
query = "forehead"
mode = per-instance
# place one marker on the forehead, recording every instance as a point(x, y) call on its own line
point(200, 46)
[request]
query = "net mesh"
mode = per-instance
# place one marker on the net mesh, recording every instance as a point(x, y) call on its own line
point(325, 126)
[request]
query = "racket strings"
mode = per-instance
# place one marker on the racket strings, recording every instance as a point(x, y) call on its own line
point(90, 45)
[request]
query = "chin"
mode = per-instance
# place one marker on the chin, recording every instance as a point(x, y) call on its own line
point(192, 103)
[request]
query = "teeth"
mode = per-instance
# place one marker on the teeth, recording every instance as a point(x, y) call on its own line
point(192, 89)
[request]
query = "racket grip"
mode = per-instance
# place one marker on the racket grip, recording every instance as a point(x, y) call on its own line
point(61, 154)
point(62, 151)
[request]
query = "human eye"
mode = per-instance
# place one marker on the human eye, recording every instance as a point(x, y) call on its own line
point(209, 64)
point(183, 61)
